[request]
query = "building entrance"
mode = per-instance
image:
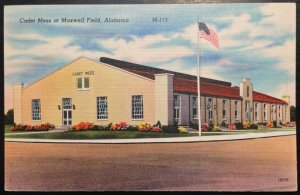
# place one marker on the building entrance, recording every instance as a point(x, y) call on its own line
point(67, 111)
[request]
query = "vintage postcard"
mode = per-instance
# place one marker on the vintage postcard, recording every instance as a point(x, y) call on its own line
point(150, 97)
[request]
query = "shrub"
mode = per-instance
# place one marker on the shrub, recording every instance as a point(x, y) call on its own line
point(132, 128)
point(204, 127)
point(158, 124)
point(293, 124)
point(95, 128)
point(144, 127)
point(238, 125)
point(216, 128)
point(193, 125)
point(231, 127)
point(253, 126)
point(223, 124)
point(170, 129)
point(84, 126)
point(182, 129)
point(41, 127)
point(246, 125)
point(269, 125)
point(176, 123)
point(210, 126)
point(156, 129)
point(274, 124)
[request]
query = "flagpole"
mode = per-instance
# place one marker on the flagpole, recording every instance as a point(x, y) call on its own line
point(198, 82)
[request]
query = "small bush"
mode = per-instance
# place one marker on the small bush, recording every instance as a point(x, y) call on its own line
point(231, 127)
point(182, 129)
point(156, 129)
point(216, 128)
point(238, 125)
point(41, 127)
point(253, 126)
point(293, 124)
point(223, 124)
point(204, 127)
point(158, 124)
point(95, 128)
point(132, 128)
point(274, 124)
point(210, 126)
point(170, 129)
point(144, 127)
point(269, 125)
point(246, 125)
point(194, 125)
point(84, 126)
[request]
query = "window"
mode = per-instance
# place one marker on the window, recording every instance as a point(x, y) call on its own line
point(256, 111)
point(224, 109)
point(86, 82)
point(36, 109)
point(210, 109)
point(67, 103)
point(176, 108)
point(247, 91)
point(137, 107)
point(83, 83)
point(247, 110)
point(272, 112)
point(195, 105)
point(279, 111)
point(236, 106)
point(102, 112)
point(79, 83)
point(265, 112)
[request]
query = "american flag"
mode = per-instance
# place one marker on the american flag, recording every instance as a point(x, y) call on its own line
point(209, 34)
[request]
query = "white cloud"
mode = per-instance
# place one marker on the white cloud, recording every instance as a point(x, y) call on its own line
point(286, 54)
point(143, 49)
point(282, 17)
point(286, 88)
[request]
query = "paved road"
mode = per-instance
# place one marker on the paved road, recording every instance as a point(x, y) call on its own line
point(264, 164)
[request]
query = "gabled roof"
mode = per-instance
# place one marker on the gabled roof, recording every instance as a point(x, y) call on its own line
point(149, 72)
point(188, 83)
point(257, 96)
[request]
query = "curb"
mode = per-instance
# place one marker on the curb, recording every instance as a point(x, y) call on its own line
point(158, 140)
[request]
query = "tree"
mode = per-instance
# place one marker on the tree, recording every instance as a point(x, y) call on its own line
point(9, 118)
point(293, 113)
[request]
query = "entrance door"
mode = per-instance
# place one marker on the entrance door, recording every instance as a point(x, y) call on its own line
point(177, 109)
point(210, 110)
point(67, 111)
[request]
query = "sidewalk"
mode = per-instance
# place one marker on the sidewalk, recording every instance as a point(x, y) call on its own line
point(160, 140)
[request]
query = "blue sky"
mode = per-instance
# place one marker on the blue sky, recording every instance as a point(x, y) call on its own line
point(257, 41)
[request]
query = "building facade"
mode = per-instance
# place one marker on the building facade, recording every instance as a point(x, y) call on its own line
point(113, 91)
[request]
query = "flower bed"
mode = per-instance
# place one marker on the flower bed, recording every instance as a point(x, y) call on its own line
point(41, 127)
point(231, 127)
point(146, 127)
point(182, 129)
point(269, 125)
point(121, 126)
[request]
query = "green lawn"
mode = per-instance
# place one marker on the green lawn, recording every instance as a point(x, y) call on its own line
point(7, 129)
point(100, 135)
